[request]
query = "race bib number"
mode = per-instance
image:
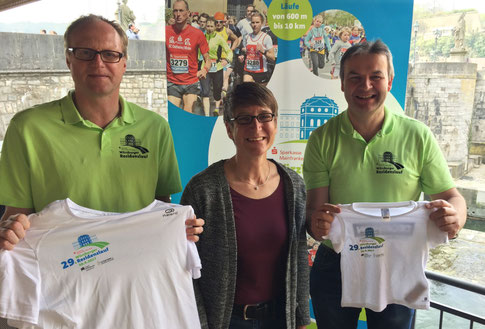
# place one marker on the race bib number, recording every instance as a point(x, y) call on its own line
point(179, 64)
point(253, 65)
point(318, 43)
point(213, 66)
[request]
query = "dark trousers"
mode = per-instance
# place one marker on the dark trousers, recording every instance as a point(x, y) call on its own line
point(216, 78)
point(326, 292)
point(318, 61)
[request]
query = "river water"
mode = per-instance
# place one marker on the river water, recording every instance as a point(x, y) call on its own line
point(463, 258)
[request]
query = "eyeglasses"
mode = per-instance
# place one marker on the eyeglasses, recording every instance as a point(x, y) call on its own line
point(220, 22)
point(247, 119)
point(88, 54)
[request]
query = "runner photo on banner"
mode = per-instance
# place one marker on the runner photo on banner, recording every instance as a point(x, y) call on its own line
point(307, 95)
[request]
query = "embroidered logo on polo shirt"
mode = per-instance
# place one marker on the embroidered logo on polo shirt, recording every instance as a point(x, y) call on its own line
point(388, 164)
point(130, 147)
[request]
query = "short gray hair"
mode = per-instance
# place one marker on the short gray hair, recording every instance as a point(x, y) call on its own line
point(374, 47)
point(84, 20)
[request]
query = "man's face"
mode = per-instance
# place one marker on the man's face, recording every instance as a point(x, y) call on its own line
point(219, 25)
point(249, 11)
point(180, 12)
point(202, 22)
point(96, 78)
point(366, 83)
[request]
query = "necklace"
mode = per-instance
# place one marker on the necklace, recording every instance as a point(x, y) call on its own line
point(256, 186)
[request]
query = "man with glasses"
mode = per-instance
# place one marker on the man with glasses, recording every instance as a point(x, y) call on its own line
point(183, 44)
point(82, 146)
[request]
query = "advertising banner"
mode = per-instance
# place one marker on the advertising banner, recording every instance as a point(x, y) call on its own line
point(305, 78)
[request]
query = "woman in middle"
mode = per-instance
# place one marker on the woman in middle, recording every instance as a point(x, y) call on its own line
point(253, 249)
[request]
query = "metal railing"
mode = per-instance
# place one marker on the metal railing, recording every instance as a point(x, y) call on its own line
point(451, 310)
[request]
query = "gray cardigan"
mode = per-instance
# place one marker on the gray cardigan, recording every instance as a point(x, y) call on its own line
point(208, 193)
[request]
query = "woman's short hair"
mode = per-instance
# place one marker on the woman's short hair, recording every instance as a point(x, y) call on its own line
point(249, 94)
point(258, 14)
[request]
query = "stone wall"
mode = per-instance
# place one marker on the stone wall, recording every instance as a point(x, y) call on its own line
point(477, 139)
point(33, 71)
point(22, 90)
point(442, 95)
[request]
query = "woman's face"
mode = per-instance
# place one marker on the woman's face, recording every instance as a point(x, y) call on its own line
point(318, 22)
point(256, 24)
point(355, 31)
point(255, 138)
point(210, 27)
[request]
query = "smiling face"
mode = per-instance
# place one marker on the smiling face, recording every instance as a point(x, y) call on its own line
point(366, 83)
point(95, 77)
point(256, 138)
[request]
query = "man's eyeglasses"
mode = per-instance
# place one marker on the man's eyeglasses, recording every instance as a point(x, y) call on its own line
point(247, 119)
point(88, 54)
point(220, 22)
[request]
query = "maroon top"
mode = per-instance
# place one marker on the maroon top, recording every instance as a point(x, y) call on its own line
point(262, 246)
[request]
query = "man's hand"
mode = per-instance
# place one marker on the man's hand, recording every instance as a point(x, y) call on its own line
point(241, 58)
point(445, 216)
point(202, 73)
point(450, 211)
point(321, 220)
point(193, 227)
point(12, 230)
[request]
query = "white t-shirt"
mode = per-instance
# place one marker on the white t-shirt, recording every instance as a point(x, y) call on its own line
point(82, 268)
point(384, 249)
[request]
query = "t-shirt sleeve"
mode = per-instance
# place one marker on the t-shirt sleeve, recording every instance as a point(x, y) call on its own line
point(193, 263)
point(435, 176)
point(168, 172)
point(15, 171)
point(336, 234)
point(434, 235)
point(315, 170)
point(19, 285)
point(203, 44)
point(268, 43)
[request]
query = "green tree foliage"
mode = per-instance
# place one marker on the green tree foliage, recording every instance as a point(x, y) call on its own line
point(338, 18)
point(475, 42)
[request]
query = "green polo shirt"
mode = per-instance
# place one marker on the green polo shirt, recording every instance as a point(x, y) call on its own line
point(50, 152)
point(402, 160)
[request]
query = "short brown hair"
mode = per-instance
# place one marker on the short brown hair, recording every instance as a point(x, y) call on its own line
point(249, 94)
point(364, 48)
point(89, 19)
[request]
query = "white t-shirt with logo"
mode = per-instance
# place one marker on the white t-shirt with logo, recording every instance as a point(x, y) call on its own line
point(82, 268)
point(384, 249)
